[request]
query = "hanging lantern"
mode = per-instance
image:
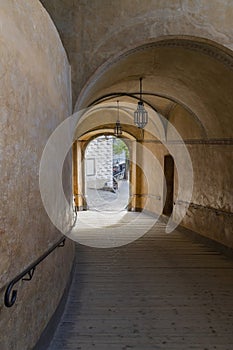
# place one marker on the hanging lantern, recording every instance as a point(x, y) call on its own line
point(140, 115)
point(118, 128)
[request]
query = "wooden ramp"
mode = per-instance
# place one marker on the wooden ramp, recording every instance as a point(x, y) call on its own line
point(163, 291)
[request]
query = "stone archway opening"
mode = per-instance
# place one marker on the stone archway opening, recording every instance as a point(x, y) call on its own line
point(106, 174)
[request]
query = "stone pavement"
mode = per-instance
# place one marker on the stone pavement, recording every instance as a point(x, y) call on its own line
point(163, 291)
point(106, 200)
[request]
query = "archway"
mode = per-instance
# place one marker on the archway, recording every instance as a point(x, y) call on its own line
point(106, 173)
point(183, 79)
point(119, 186)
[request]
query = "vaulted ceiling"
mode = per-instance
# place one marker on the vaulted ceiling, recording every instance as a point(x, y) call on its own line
point(174, 46)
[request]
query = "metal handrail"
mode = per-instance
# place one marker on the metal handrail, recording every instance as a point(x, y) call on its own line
point(11, 295)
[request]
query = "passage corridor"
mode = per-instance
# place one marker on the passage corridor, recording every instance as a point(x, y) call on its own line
point(163, 291)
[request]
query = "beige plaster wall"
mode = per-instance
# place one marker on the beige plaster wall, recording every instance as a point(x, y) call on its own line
point(152, 184)
point(34, 99)
point(211, 210)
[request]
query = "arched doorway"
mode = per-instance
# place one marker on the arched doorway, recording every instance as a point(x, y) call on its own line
point(104, 181)
point(106, 174)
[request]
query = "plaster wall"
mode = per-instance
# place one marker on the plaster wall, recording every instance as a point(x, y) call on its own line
point(151, 180)
point(210, 210)
point(34, 99)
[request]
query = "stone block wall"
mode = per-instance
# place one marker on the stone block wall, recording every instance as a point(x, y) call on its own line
point(100, 151)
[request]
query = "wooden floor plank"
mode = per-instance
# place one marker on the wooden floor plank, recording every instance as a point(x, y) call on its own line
point(163, 291)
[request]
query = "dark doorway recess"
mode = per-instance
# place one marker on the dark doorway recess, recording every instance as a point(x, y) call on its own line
point(169, 178)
